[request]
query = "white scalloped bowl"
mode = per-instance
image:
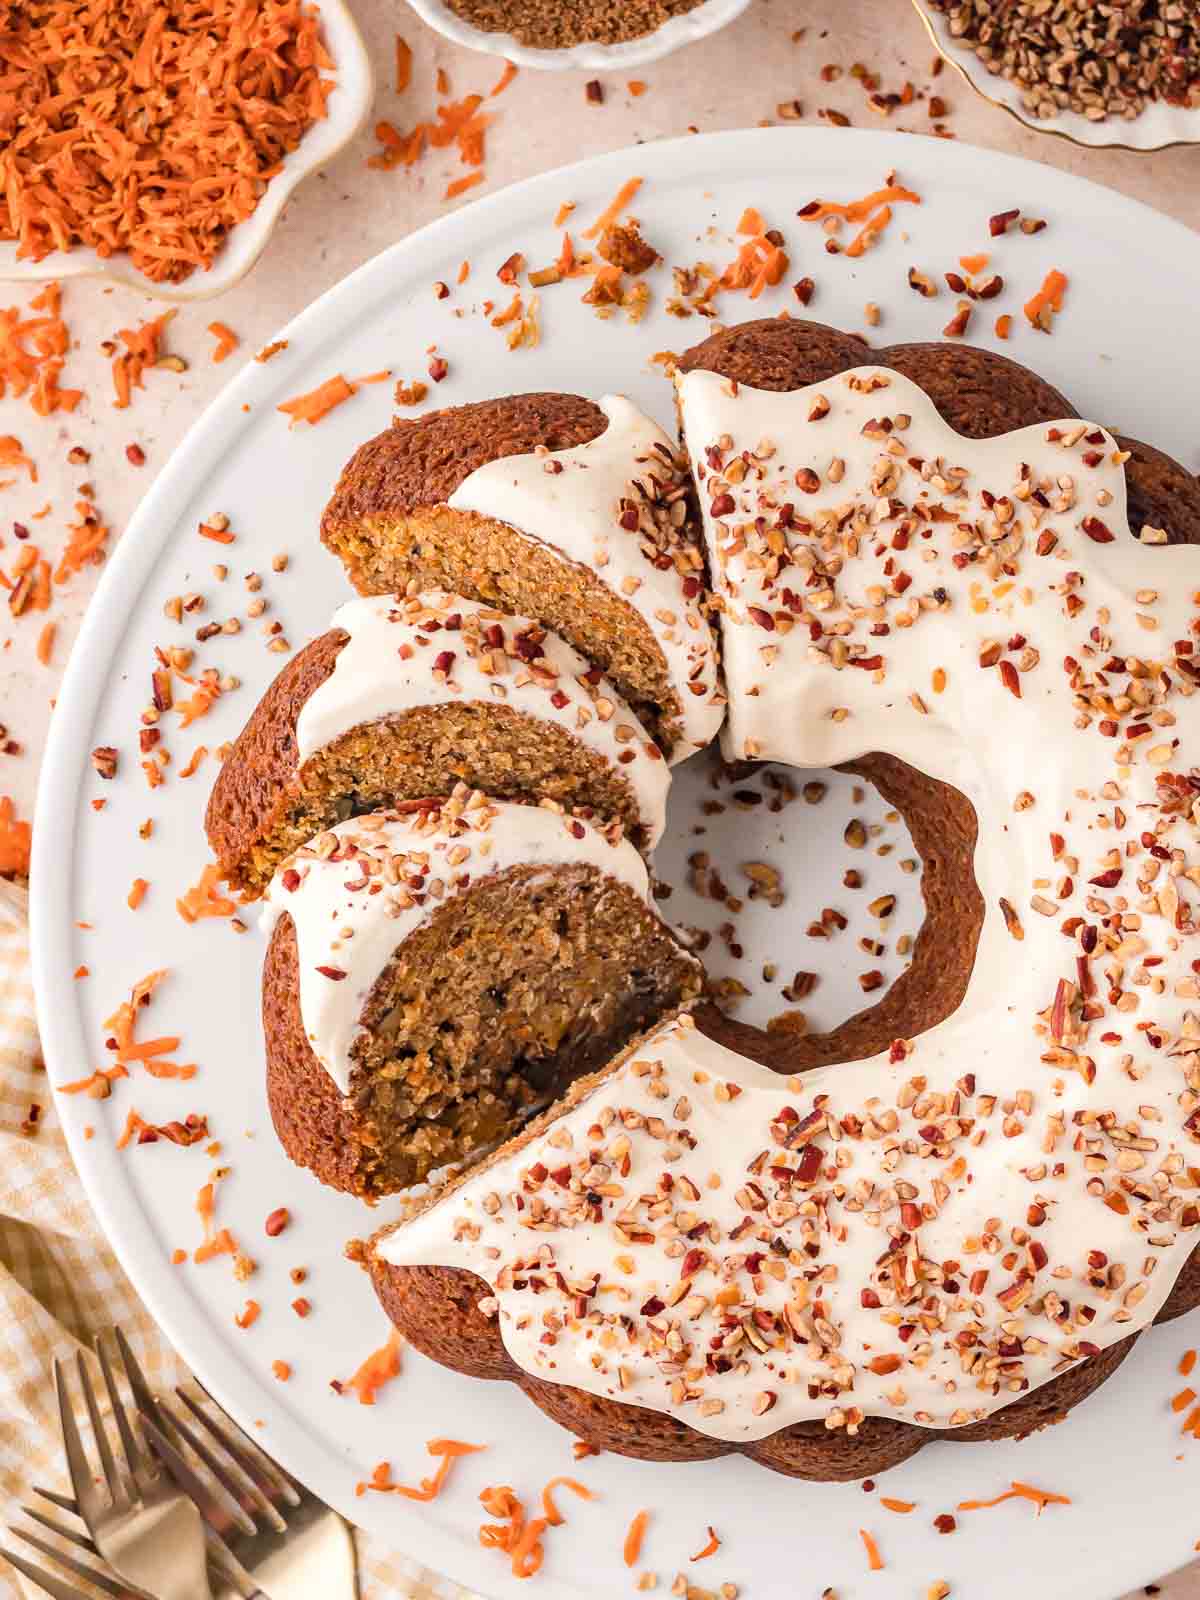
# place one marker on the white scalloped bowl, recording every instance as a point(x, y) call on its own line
point(1157, 128)
point(348, 107)
point(707, 18)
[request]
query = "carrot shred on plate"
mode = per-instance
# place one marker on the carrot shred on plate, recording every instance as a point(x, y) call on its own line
point(446, 1450)
point(461, 185)
point(137, 893)
point(632, 1548)
point(202, 899)
point(859, 210)
point(1040, 310)
point(1018, 1491)
point(45, 644)
point(901, 1507)
point(12, 454)
point(503, 81)
point(618, 204)
point(710, 1549)
point(318, 402)
point(143, 346)
point(150, 129)
point(380, 1367)
point(874, 1559)
point(86, 540)
point(553, 1515)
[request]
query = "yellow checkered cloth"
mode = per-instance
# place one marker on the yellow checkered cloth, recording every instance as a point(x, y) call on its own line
point(59, 1282)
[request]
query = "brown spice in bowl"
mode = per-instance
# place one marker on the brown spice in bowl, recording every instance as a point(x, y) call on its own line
point(1097, 60)
point(559, 24)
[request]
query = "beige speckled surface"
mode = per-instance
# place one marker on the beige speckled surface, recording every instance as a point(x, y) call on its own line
point(340, 219)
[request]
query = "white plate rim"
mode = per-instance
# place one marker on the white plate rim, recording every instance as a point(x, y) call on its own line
point(66, 754)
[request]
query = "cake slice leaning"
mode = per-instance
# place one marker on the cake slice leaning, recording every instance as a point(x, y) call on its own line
point(552, 507)
point(410, 696)
point(436, 975)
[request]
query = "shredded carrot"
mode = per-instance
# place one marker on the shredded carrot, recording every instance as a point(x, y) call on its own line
point(903, 1507)
point(441, 81)
point(318, 402)
point(15, 841)
point(219, 1243)
point(151, 130)
point(874, 1559)
point(202, 899)
point(974, 263)
point(759, 264)
point(143, 346)
point(1049, 299)
point(498, 1500)
point(137, 893)
point(464, 272)
point(33, 351)
point(528, 1553)
point(448, 1450)
point(632, 1548)
point(197, 756)
point(197, 705)
point(614, 208)
point(503, 81)
point(510, 313)
point(45, 644)
point(1018, 1491)
point(553, 1515)
point(461, 185)
point(1186, 1363)
point(563, 212)
point(248, 1316)
point(637, 87)
point(859, 210)
point(281, 1370)
point(86, 539)
point(272, 349)
point(751, 222)
point(380, 1367)
point(404, 63)
point(710, 1549)
point(1003, 326)
point(13, 455)
point(227, 340)
point(870, 232)
point(97, 1085)
point(1183, 1399)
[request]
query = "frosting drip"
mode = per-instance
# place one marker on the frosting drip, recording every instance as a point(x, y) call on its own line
point(405, 652)
point(927, 1233)
point(617, 505)
point(357, 892)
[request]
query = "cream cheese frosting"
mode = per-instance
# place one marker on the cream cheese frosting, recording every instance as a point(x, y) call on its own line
point(929, 1232)
point(358, 891)
point(408, 651)
point(617, 505)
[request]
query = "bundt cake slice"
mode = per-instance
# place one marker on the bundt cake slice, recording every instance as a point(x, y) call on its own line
point(435, 974)
point(552, 507)
point(414, 695)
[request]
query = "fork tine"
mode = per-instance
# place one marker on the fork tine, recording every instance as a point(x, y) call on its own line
point(254, 1462)
point(240, 1486)
point(137, 1461)
point(144, 1397)
point(55, 1587)
point(86, 1492)
point(79, 1568)
point(214, 1501)
point(81, 1539)
point(117, 1487)
point(62, 1501)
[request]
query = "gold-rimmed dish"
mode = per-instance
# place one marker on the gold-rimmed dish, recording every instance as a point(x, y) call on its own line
point(1159, 127)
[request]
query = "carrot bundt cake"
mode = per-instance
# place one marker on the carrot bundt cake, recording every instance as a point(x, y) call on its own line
point(410, 696)
point(551, 507)
point(955, 1232)
point(435, 973)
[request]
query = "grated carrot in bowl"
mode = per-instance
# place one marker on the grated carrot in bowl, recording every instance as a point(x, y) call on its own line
point(150, 127)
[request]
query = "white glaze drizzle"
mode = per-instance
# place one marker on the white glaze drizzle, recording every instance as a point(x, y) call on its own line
point(964, 1217)
point(409, 651)
point(574, 501)
point(357, 892)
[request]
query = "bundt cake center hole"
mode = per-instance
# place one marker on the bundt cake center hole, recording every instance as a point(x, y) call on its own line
point(804, 893)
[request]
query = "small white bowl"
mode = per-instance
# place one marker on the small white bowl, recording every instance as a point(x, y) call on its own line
point(347, 109)
point(1159, 127)
point(708, 17)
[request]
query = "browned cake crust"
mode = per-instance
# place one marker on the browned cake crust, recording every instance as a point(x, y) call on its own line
point(980, 394)
point(264, 805)
point(420, 461)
